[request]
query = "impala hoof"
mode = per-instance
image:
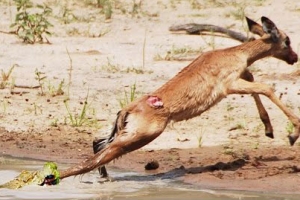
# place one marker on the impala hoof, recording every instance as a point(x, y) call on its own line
point(270, 135)
point(292, 139)
point(106, 179)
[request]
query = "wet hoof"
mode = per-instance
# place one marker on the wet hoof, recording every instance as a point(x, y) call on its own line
point(270, 135)
point(292, 140)
point(152, 165)
point(106, 179)
point(103, 172)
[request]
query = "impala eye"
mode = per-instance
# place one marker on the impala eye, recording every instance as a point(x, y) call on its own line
point(287, 41)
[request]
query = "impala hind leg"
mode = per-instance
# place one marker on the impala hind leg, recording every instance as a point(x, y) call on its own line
point(244, 87)
point(138, 131)
point(112, 151)
point(263, 114)
point(109, 153)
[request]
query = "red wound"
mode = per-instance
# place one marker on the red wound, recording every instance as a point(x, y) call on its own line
point(154, 102)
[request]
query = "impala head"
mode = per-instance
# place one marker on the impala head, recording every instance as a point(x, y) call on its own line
point(280, 41)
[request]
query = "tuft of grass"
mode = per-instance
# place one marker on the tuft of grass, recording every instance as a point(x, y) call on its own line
point(198, 15)
point(5, 76)
point(128, 96)
point(37, 109)
point(70, 73)
point(229, 107)
point(195, 4)
point(243, 125)
point(228, 150)
point(67, 15)
point(102, 32)
point(39, 76)
point(137, 70)
point(81, 118)
point(200, 138)
point(110, 67)
point(56, 91)
point(144, 50)
point(4, 106)
point(54, 123)
point(256, 145)
point(259, 2)
point(211, 43)
point(289, 127)
point(238, 12)
point(77, 120)
point(240, 126)
point(258, 128)
point(114, 68)
point(218, 3)
point(177, 53)
point(74, 119)
point(173, 3)
point(107, 9)
point(106, 6)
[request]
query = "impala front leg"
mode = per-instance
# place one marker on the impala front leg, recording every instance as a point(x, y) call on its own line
point(263, 114)
point(244, 87)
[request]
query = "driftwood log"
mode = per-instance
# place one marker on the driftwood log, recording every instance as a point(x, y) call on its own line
point(195, 29)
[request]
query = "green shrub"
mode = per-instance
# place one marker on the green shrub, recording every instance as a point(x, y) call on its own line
point(32, 28)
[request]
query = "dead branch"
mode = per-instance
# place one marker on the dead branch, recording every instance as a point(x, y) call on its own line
point(9, 32)
point(27, 87)
point(193, 28)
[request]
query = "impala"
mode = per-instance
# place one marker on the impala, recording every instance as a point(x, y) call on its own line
point(196, 88)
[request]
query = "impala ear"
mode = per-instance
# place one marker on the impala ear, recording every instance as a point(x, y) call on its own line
point(270, 28)
point(255, 27)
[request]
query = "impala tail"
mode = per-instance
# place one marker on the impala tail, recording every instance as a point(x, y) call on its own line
point(100, 143)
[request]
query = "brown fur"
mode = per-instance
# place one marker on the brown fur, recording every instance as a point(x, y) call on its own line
point(199, 86)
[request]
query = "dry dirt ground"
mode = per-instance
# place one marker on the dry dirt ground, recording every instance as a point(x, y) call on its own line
point(97, 61)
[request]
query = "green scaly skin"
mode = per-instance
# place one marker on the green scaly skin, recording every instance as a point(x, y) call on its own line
point(34, 178)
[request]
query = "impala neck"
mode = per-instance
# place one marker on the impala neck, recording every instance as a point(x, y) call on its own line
point(256, 49)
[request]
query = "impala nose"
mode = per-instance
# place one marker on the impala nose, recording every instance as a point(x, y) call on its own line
point(293, 58)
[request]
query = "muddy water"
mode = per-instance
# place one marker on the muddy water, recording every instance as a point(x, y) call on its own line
point(127, 185)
